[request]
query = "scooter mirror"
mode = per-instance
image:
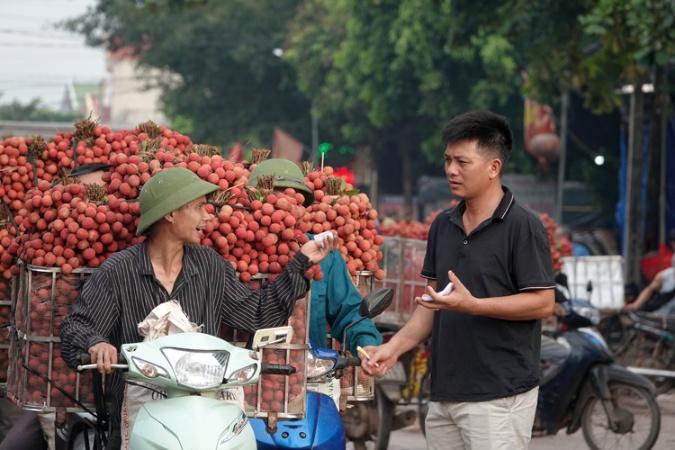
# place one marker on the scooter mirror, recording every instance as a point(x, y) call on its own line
point(364, 310)
point(561, 279)
point(377, 301)
point(269, 336)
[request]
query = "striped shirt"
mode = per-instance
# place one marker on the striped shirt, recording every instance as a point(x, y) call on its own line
point(123, 291)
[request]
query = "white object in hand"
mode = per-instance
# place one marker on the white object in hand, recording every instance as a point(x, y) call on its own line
point(322, 237)
point(446, 291)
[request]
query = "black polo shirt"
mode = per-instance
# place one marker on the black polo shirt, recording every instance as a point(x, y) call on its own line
point(478, 358)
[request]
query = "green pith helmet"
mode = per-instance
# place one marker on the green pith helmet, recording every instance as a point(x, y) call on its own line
point(286, 174)
point(167, 191)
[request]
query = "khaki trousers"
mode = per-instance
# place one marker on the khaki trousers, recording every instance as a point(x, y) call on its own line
point(504, 423)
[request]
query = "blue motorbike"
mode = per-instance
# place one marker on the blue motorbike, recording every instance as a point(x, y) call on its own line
point(582, 386)
point(321, 428)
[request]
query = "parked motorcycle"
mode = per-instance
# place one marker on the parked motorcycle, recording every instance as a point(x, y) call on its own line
point(322, 427)
point(188, 369)
point(615, 408)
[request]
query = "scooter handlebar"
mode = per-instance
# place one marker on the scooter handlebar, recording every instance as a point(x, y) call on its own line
point(277, 369)
point(85, 363)
point(82, 367)
point(348, 361)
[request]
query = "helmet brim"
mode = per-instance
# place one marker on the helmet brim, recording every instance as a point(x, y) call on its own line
point(180, 197)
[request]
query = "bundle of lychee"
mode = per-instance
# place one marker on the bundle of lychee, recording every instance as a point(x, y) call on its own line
point(8, 249)
point(47, 307)
point(97, 144)
point(208, 164)
point(413, 229)
point(5, 318)
point(137, 155)
point(258, 235)
point(560, 244)
point(274, 386)
point(74, 225)
point(16, 171)
point(409, 229)
point(339, 207)
point(273, 396)
point(35, 390)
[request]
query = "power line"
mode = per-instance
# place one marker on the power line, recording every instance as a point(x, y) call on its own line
point(116, 81)
point(65, 37)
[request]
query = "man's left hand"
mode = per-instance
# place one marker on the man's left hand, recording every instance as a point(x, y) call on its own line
point(315, 252)
point(460, 299)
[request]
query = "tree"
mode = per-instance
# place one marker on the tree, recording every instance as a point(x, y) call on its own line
point(392, 72)
point(590, 46)
point(223, 82)
point(33, 111)
point(635, 44)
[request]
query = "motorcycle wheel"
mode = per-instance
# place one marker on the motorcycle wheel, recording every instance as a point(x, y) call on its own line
point(423, 405)
point(639, 415)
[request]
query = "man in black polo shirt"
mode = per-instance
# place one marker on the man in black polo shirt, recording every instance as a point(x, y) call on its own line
point(486, 332)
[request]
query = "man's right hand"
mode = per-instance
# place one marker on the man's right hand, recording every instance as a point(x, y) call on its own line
point(382, 359)
point(103, 355)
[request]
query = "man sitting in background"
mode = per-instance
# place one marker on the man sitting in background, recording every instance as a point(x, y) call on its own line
point(659, 295)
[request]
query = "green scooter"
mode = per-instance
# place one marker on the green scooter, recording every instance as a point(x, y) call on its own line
point(191, 368)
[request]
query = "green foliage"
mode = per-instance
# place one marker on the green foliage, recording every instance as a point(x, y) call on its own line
point(33, 111)
point(391, 73)
point(590, 46)
point(381, 74)
point(632, 38)
point(226, 84)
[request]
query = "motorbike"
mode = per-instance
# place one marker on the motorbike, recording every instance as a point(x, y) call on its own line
point(187, 369)
point(322, 427)
point(614, 407)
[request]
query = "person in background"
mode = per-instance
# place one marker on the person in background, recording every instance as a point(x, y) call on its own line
point(335, 300)
point(659, 295)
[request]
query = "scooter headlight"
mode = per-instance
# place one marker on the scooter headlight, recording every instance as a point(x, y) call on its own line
point(199, 370)
point(231, 431)
point(317, 367)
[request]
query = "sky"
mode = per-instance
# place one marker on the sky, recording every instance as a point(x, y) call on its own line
point(37, 58)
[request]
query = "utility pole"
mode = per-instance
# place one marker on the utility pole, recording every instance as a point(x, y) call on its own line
point(562, 161)
point(663, 103)
point(633, 212)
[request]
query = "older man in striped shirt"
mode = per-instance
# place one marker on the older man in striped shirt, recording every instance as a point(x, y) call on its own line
point(171, 265)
